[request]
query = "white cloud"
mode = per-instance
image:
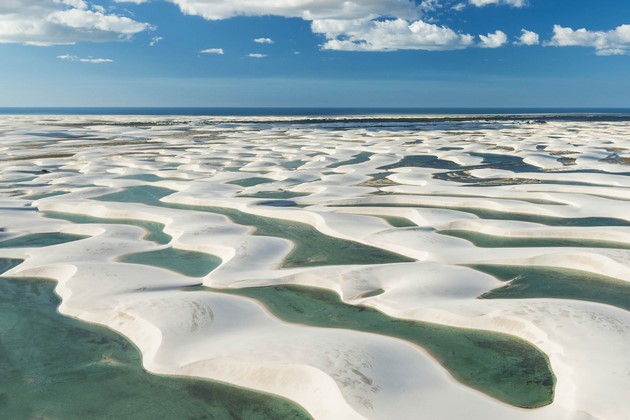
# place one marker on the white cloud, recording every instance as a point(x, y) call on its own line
point(388, 35)
point(218, 51)
point(495, 40)
point(513, 3)
point(528, 38)
point(68, 57)
point(90, 21)
point(131, 1)
point(256, 55)
point(367, 25)
point(264, 40)
point(305, 9)
point(459, 7)
point(49, 22)
point(354, 25)
point(79, 4)
point(430, 5)
point(155, 40)
point(613, 42)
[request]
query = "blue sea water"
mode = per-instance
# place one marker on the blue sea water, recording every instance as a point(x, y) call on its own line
point(616, 113)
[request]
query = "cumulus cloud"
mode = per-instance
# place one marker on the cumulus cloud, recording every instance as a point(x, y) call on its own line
point(493, 40)
point(305, 9)
point(131, 1)
point(264, 40)
point(256, 55)
point(513, 3)
point(218, 51)
point(613, 42)
point(366, 25)
point(49, 22)
point(79, 4)
point(388, 35)
point(528, 38)
point(68, 57)
point(95, 21)
point(430, 5)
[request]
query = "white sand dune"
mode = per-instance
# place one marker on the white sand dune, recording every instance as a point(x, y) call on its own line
point(332, 373)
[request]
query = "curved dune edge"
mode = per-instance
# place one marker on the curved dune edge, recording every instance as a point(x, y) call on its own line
point(432, 289)
point(129, 319)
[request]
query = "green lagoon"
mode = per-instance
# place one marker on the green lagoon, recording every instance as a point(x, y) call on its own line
point(251, 182)
point(358, 158)
point(38, 240)
point(559, 283)
point(312, 248)
point(155, 231)
point(483, 240)
point(500, 365)
point(55, 367)
point(502, 215)
point(188, 263)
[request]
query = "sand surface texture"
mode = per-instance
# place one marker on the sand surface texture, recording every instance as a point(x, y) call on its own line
point(366, 269)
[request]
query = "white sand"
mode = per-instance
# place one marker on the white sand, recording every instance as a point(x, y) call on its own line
point(333, 373)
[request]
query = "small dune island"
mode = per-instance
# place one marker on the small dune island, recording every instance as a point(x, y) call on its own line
point(325, 267)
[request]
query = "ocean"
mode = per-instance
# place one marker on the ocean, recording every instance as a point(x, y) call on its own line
point(298, 112)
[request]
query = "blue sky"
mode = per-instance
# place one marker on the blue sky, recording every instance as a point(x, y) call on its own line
point(374, 53)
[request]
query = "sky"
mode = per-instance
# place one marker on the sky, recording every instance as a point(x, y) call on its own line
point(315, 53)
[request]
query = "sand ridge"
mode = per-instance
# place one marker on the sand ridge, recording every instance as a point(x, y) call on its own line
point(499, 166)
